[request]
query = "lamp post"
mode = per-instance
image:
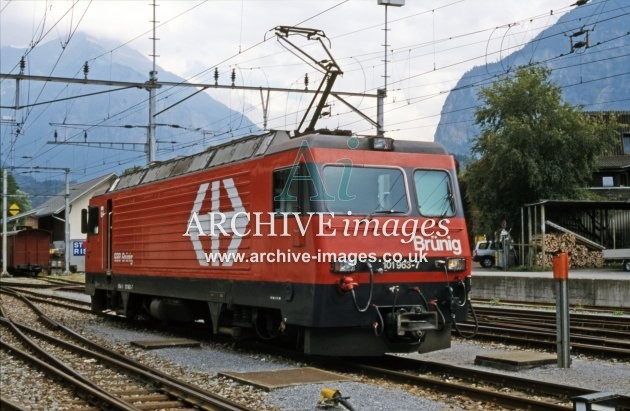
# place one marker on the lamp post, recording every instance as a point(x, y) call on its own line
point(382, 92)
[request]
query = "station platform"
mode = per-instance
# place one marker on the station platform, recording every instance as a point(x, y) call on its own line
point(601, 288)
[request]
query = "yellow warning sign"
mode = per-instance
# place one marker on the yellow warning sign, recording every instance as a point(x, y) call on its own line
point(14, 209)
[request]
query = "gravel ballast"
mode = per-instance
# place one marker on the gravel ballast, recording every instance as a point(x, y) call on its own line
point(211, 358)
point(201, 366)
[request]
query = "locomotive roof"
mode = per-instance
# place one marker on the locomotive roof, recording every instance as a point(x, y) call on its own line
point(256, 146)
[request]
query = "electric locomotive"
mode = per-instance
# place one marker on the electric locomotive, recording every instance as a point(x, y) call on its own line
point(346, 245)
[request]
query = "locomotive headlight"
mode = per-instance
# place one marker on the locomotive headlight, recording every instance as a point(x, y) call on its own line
point(456, 264)
point(344, 267)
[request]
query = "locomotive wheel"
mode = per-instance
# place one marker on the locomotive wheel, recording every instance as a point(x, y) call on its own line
point(626, 265)
point(98, 302)
point(487, 262)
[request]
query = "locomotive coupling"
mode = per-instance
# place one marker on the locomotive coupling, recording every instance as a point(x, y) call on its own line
point(410, 324)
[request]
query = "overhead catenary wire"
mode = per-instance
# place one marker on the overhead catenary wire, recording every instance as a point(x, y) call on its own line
point(307, 19)
point(25, 117)
point(139, 108)
point(404, 79)
point(246, 50)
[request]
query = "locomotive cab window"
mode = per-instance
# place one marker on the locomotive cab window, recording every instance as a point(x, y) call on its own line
point(433, 193)
point(365, 190)
point(291, 190)
point(89, 220)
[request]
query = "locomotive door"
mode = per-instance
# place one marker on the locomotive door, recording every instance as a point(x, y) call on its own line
point(108, 253)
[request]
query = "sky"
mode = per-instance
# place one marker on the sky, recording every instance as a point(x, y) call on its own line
point(430, 45)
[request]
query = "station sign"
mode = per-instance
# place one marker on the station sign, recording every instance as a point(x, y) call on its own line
point(78, 248)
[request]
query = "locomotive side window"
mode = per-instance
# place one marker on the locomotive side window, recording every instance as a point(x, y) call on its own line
point(365, 190)
point(433, 193)
point(92, 220)
point(291, 193)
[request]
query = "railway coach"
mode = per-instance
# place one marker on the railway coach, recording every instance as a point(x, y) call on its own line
point(344, 245)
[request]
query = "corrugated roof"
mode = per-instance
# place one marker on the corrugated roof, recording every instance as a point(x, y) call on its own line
point(57, 203)
point(260, 145)
point(613, 162)
point(584, 204)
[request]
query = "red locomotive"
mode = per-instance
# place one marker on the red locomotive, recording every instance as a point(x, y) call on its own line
point(348, 245)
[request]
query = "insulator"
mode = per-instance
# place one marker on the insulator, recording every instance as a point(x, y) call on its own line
point(580, 44)
point(86, 70)
point(233, 76)
point(55, 135)
point(579, 33)
point(216, 76)
point(22, 64)
point(85, 135)
point(306, 81)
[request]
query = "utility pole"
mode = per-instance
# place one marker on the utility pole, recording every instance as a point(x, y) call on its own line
point(66, 224)
point(4, 273)
point(5, 192)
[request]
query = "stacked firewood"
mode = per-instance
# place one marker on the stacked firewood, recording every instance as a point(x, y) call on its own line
point(579, 255)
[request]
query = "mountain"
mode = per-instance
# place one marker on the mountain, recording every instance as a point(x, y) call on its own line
point(39, 191)
point(188, 127)
point(596, 77)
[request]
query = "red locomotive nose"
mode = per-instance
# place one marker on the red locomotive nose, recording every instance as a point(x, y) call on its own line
point(346, 284)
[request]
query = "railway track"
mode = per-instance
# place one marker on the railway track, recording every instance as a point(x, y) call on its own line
point(104, 379)
point(53, 299)
point(600, 322)
point(496, 388)
point(492, 389)
point(602, 335)
point(545, 306)
point(486, 386)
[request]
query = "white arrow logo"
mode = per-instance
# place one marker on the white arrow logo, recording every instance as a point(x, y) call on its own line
point(199, 225)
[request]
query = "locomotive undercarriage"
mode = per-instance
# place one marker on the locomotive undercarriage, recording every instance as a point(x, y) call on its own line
point(326, 324)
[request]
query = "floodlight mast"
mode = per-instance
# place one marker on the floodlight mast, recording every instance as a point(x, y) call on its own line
point(382, 92)
point(151, 85)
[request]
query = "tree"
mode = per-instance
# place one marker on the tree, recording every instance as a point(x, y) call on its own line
point(532, 146)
